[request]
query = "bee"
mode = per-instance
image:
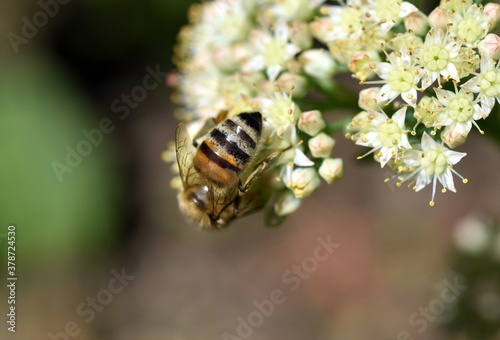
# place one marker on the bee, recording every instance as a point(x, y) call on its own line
point(211, 172)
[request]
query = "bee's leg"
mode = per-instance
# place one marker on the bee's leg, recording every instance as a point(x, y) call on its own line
point(259, 169)
point(246, 205)
point(221, 116)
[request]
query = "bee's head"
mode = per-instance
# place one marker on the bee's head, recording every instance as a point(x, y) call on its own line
point(197, 209)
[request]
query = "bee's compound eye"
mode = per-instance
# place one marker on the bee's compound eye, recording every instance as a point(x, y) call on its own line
point(198, 201)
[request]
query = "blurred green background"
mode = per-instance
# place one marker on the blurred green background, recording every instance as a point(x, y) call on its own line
point(112, 210)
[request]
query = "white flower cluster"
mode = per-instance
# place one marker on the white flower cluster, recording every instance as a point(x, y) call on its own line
point(280, 58)
point(442, 75)
point(257, 55)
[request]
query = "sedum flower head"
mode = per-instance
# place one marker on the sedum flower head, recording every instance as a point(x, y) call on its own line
point(438, 73)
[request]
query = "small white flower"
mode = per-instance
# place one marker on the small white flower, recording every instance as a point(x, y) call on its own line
point(340, 22)
point(434, 162)
point(360, 63)
point(469, 61)
point(437, 57)
point(411, 41)
point(385, 135)
point(399, 76)
point(486, 84)
point(233, 22)
point(348, 29)
point(272, 51)
point(294, 156)
point(470, 25)
point(389, 12)
point(278, 110)
point(427, 111)
point(458, 110)
point(201, 92)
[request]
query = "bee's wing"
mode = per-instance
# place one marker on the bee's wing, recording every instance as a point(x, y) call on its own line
point(185, 151)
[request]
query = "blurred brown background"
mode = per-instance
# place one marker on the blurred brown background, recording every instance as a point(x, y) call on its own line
point(114, 212)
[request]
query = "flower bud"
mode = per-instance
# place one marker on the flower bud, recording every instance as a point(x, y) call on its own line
point(331, 170)
point(492, 11)
point(490, 46)
point(311, 122)
point(303, 181)
point(440, 17)
point(368, 98)
point(457, 6)
point(417, 23)
point(293, 82)
point(318, 63)
point(321, 29)
point(452, 138)
point(300, 35)
point(286, 203)
point(321, 146)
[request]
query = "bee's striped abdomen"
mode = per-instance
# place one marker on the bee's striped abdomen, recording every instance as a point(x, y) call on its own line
point(229, 147)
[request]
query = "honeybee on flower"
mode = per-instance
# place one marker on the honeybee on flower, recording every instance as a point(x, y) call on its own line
point(434, 76)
